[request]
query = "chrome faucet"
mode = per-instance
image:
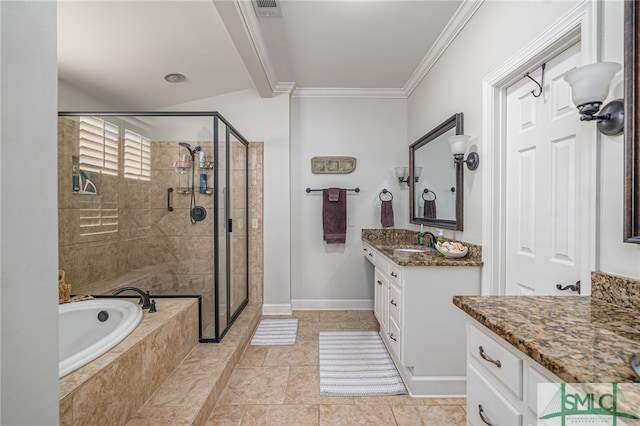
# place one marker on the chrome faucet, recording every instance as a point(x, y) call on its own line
point(432, 239)
point(144, 297)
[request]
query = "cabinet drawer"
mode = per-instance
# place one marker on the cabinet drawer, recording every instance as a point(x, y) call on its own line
point(497, 359)
point(369, 253)
point(395, 337)
point(395, 274)
point(534, 378)
point(381, 263)
point(394, 304)
point(486, 405)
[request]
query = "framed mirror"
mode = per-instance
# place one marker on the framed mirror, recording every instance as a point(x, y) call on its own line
point(435, 181)
point(632, 123)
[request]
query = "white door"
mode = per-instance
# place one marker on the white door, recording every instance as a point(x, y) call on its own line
point(543, 182)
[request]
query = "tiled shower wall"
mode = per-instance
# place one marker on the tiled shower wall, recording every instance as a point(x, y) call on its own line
point(153, 248)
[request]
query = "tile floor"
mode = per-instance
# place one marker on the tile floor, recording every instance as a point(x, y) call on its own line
point(279, 385)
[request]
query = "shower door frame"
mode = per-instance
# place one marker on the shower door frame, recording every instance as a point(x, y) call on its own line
point(231, 317)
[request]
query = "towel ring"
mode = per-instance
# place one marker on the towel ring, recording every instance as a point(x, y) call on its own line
point(385, 192)
point(427, 192)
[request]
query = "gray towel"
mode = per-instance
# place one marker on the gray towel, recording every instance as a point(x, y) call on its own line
point(386, 214)
point(429, 209)
point(334, 215)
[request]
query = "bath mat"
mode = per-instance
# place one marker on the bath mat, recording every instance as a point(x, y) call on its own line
point(356, 363)
point(275, 332)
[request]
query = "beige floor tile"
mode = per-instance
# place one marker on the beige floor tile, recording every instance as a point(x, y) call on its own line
point(304, 388)
point(253, 356)
point(356, 415)
point(388, 400)
point(175, 416)
point(338, 316)
point(226, 415)
point(302, 353)
point(256, 385)
point(444, 401)
point(433, 415)
point(313, 316)
point(280, 415)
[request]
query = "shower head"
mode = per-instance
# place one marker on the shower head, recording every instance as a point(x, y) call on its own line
point(193, 151)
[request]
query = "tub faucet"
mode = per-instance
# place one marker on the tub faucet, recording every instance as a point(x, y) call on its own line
point(432, 238)
point(144, 297)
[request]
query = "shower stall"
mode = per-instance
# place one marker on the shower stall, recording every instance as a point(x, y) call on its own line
point(158, 201)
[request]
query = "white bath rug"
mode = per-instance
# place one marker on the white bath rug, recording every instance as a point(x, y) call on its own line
point(275, 332)
point(356, 363)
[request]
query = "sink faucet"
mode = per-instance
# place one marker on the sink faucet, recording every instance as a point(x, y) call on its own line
point(432, 238)
point(144, 297)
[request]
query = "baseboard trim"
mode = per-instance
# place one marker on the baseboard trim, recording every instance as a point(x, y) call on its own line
point(332, 304)
point(276, 309)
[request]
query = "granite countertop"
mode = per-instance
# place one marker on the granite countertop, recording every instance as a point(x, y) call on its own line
point(579, 339)
point(386, 240)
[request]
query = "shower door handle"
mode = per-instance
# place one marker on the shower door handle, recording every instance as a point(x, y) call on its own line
point(169, 207)
point(230, 225)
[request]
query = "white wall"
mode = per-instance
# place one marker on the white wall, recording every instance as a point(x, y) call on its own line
point(373, 131)
point(494, 34)
point(29, 244)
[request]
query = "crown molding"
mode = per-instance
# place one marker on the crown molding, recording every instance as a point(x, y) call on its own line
point(457, 22)
point(352, 93)
point(285, 87)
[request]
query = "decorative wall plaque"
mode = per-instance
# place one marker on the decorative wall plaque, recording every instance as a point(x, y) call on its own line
point(333, 165)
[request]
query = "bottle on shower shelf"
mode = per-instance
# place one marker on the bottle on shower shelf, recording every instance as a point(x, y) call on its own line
point(187, 162)
point(202, 160)
point(203, 183)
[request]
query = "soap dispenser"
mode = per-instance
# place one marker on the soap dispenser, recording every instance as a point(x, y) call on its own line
point(441, 238)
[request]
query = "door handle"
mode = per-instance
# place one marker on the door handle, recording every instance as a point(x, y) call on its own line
point(229, 225)
point(572, 287)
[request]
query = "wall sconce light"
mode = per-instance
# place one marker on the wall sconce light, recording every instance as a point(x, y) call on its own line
point(417, 172)
point(589, 88)
point(458, 145)
point(402, 173)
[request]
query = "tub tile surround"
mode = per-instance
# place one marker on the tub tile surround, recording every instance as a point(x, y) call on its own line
point(116, 384)
point(387, 239)
point(579, 339)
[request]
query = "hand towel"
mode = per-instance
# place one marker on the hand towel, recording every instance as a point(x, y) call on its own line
point(429, 209)
point(386, 213)
point(334, 215)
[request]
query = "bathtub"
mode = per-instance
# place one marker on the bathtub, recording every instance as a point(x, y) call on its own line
point(89, 329)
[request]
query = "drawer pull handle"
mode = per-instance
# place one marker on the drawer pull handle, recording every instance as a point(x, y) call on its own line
point(393, 302)
point(365, 249)
point(483, 416)
point(394, 275)
point(489, 359)
point(392, 338)
point(379, 282)
point(371, 254)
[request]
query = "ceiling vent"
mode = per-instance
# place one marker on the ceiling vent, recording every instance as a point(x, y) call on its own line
point(267, 8)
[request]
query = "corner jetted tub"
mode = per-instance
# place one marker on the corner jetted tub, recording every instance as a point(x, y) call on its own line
point(89, 329)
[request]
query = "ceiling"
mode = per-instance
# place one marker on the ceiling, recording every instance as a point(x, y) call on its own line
point(120, 51)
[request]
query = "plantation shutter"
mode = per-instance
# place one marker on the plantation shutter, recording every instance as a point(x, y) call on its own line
point(98, 146)
point(137, 156)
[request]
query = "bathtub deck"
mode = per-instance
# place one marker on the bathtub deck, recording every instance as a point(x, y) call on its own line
point(189, 394)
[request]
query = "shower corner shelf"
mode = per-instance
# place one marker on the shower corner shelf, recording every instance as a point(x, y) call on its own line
point(187, 190)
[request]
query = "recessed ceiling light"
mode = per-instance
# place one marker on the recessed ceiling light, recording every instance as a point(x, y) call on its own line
point(175, 78)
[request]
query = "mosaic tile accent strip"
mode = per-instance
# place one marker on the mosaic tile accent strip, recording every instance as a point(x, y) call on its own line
point(333, 165)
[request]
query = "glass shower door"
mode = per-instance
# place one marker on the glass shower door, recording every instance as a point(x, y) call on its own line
point(238, 214)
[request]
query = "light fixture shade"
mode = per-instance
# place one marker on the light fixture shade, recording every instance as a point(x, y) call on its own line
point(590, 83)
point(401, 172)
point(417, 171)
point(458, 144)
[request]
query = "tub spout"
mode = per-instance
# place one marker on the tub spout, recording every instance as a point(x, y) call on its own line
point(144, 297)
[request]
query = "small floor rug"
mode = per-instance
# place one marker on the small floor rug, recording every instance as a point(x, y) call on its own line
point(275, 332)
point(356, 363)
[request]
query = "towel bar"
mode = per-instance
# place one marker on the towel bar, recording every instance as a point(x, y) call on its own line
point(308, 190)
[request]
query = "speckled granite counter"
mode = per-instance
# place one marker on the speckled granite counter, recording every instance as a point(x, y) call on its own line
point(386, 240)
point(579, 339)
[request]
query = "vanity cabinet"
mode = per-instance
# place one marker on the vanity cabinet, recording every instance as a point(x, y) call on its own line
point(422, 330)
point(502, 381)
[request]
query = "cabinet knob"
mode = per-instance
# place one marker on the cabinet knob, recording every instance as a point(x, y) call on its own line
point(371, 254)
point(379, 282)
point(394, 275)
point(392, 338)
point(487, 358)
point(483, 416)
point(393, 302)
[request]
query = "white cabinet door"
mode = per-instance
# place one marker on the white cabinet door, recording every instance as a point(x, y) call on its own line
point(381, 298)
point(543, 170)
